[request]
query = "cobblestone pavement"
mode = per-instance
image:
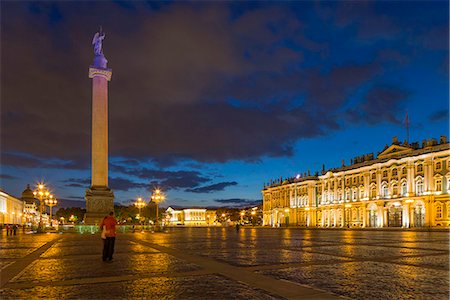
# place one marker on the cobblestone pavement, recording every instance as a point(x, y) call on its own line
point(220, 263)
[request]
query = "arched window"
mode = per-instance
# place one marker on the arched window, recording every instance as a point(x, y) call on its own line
point(394, 172)
point(438, 211)
point(419, 168)
point(394, 190)
point(419, 186)
point(438, 185)
point(361, 192)
point(347, 195)
point(384, 191)
point(354, 195)
point(404, 189)
point(373, 192)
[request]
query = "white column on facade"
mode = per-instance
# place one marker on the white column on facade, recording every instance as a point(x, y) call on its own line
point(379, 174)
point(410, 179)
point(405, 216)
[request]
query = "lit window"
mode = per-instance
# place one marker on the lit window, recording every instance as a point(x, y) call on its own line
point(419, 187)
point(404, 189)
point(384, 191)
point(403, 170)
point(438, 185)
point(438, 165)
point(354, 195)
point(420, 168)
point(438, 211)
point(374, 176)
point(354, 179)
point(394, 172)
point(361, 192)
point(373, 192)
point(395, 190)
point(385, 173)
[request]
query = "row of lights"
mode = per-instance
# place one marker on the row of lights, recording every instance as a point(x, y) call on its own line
point(157, 197)
point(45, 197)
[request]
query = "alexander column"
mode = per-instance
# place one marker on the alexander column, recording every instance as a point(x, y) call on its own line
point(99, 197)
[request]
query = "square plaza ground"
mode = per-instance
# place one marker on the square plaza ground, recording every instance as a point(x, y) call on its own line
point(220, 263)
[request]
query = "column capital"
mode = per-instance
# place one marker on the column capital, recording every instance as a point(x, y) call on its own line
point(105, 73)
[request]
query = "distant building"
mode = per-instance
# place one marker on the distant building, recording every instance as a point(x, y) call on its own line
point(407, 185)
point(11, 209)
point(190, 217)
point(30, 211)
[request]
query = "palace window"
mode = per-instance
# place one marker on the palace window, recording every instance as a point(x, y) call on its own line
point(404, 189)
point(438, 185)
point(374, 176)
point(354, 179)
point(373, 192)
point(419, 186)
point(385, 173)
point(384, 191)
point(361, 178)
point(361, 192)
point(394, 172)
point(438, 165)
point(403, 170)
point(420, 168)
point(354, 214)
point(395, 190)
point(347, 195)
point(354, 195)
point(438, 211)
point(347, 182)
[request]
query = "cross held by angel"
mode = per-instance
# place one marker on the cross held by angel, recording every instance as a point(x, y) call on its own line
point(97, 42)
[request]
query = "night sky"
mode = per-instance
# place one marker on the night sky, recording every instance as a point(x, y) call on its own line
point(211, 100)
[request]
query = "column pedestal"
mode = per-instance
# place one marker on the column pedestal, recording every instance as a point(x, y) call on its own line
point(99, 203)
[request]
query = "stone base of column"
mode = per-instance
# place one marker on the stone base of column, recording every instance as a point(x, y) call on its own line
point(99, 203)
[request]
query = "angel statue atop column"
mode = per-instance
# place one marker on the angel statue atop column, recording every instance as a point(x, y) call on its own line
point(97, 42)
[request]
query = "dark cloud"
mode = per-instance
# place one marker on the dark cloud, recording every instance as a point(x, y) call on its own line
point(27, 160)
point(381, 103)
point(116, 183)
point(9, 177)
point(440, 115)
point(167, 179)
point(239, 202)
point(212, 188)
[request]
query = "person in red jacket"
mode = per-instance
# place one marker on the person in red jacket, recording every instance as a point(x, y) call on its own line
point(108, 226)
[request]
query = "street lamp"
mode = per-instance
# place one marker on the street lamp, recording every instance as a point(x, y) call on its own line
point(140, 204)
point(41, 193)
point(242, 216)
point(50, 201)
point(157, 197)
point(253, 215)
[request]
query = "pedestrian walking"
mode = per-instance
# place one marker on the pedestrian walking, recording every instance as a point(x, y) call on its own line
point(15, 229)
point(108, 228)
point(7, 229)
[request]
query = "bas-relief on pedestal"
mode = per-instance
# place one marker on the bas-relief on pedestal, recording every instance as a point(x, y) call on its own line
point(99, 197)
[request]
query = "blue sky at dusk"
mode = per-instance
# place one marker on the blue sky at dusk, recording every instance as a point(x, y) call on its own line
point(209, 100)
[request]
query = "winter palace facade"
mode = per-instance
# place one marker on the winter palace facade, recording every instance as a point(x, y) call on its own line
point(406, 185)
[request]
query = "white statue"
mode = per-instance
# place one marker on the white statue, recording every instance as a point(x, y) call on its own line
point(97, 42)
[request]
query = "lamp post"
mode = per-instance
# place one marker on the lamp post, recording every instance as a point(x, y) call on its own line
point(140, 204)
point(50, 201)
point(253, 217)
point(157, 197)
point(242, 217)
point(41, 193)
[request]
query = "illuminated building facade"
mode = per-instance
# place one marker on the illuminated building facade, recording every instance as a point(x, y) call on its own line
point(190, 217)
point(406, 185)
point(11, 209)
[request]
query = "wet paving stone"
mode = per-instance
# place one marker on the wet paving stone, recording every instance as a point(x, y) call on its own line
point(62, 250)
point(370, 280)
point(369, 252)
point(15, 252)
point(439, 262)
point(247, 258)
point(195, 287)
point(126, 264)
